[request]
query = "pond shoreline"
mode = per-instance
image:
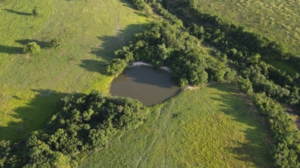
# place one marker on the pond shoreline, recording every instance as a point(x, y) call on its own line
point(140, 63)
point(165, 68)
point(149, 85)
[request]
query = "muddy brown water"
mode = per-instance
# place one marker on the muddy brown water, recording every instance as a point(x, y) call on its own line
point(146, 84)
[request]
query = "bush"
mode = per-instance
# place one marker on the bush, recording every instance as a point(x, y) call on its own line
point(35, 11)
point(55, 43)
point(82, 125)
point(183, 83)
point(32, 48)
point(116, 67)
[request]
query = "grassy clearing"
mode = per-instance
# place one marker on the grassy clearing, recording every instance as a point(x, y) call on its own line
point(32, 85)
point(277, 20)
point(210, 127)
point(280, 64)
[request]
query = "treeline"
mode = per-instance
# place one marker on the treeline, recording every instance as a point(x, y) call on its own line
point(253, 42)
point(246, 49)
point(286, 137)
point(171, 45)
point(243, 49)
point(245, 52)
point(82, 125)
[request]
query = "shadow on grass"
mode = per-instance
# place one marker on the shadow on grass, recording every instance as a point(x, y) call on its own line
point(140, 14)
point(19, 13)
point(127, 3)
point(256, 147)
point(39, 109)
point(10, 49)
point(34, 115)
point(42, 44)
point(109, 44)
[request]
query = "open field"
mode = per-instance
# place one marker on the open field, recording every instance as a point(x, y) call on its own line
point(32, 85)
point(277, 20)
point(210, 127)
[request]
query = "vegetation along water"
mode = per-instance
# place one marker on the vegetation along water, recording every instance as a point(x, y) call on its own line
point(58, 60)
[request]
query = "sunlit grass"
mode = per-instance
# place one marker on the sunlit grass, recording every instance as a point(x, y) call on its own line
point(31, 85)
point(210, 127)
point(277, 20)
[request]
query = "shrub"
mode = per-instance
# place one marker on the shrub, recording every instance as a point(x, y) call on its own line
point(116, 67)
point(55, 43)
point(32, 48)
point(183, 83)
point(35, 11)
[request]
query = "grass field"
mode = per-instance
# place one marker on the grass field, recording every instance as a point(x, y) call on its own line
point(281, 64)
point(32, 85)
point(210, 127)
point(275, 19)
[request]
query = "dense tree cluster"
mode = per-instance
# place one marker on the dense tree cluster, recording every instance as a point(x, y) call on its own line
point(86, 123)
point(171, 45)
point(248, 56)
point(83, 124)
point(246, 52)
point(286, 137)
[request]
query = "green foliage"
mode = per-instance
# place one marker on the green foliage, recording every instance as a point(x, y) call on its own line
point(35, 11)
point(32, 48)
point(287, 138)
point(230, 75)
point(246, 85)
point(166, 43)
point(244, 51)
point(55, 43)
point(69, 68)
point(116, 67)
point(139, 4)
point(81, 125)
point(209, 127)
point(183, 83)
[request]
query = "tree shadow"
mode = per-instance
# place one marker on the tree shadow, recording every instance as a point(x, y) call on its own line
point(19, 13)
point(140, 14)
point(150, 76)
point(255, 149)
point(42, 44)
point(126, 3)
point(10, 49)
point(34, 115)
point(108, 44)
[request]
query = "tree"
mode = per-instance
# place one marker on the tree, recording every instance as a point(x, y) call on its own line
point(254, 59)
point(116, 67)
point(32, 48)
point(246, 85)
point(35, 11)
point(163, 52)
point(183, 82)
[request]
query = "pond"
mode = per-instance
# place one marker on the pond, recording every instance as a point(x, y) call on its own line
point(146, 84)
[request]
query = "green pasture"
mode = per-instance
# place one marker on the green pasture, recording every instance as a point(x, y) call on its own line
point(210, 127)
point(32, 85)
point(275, 19)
